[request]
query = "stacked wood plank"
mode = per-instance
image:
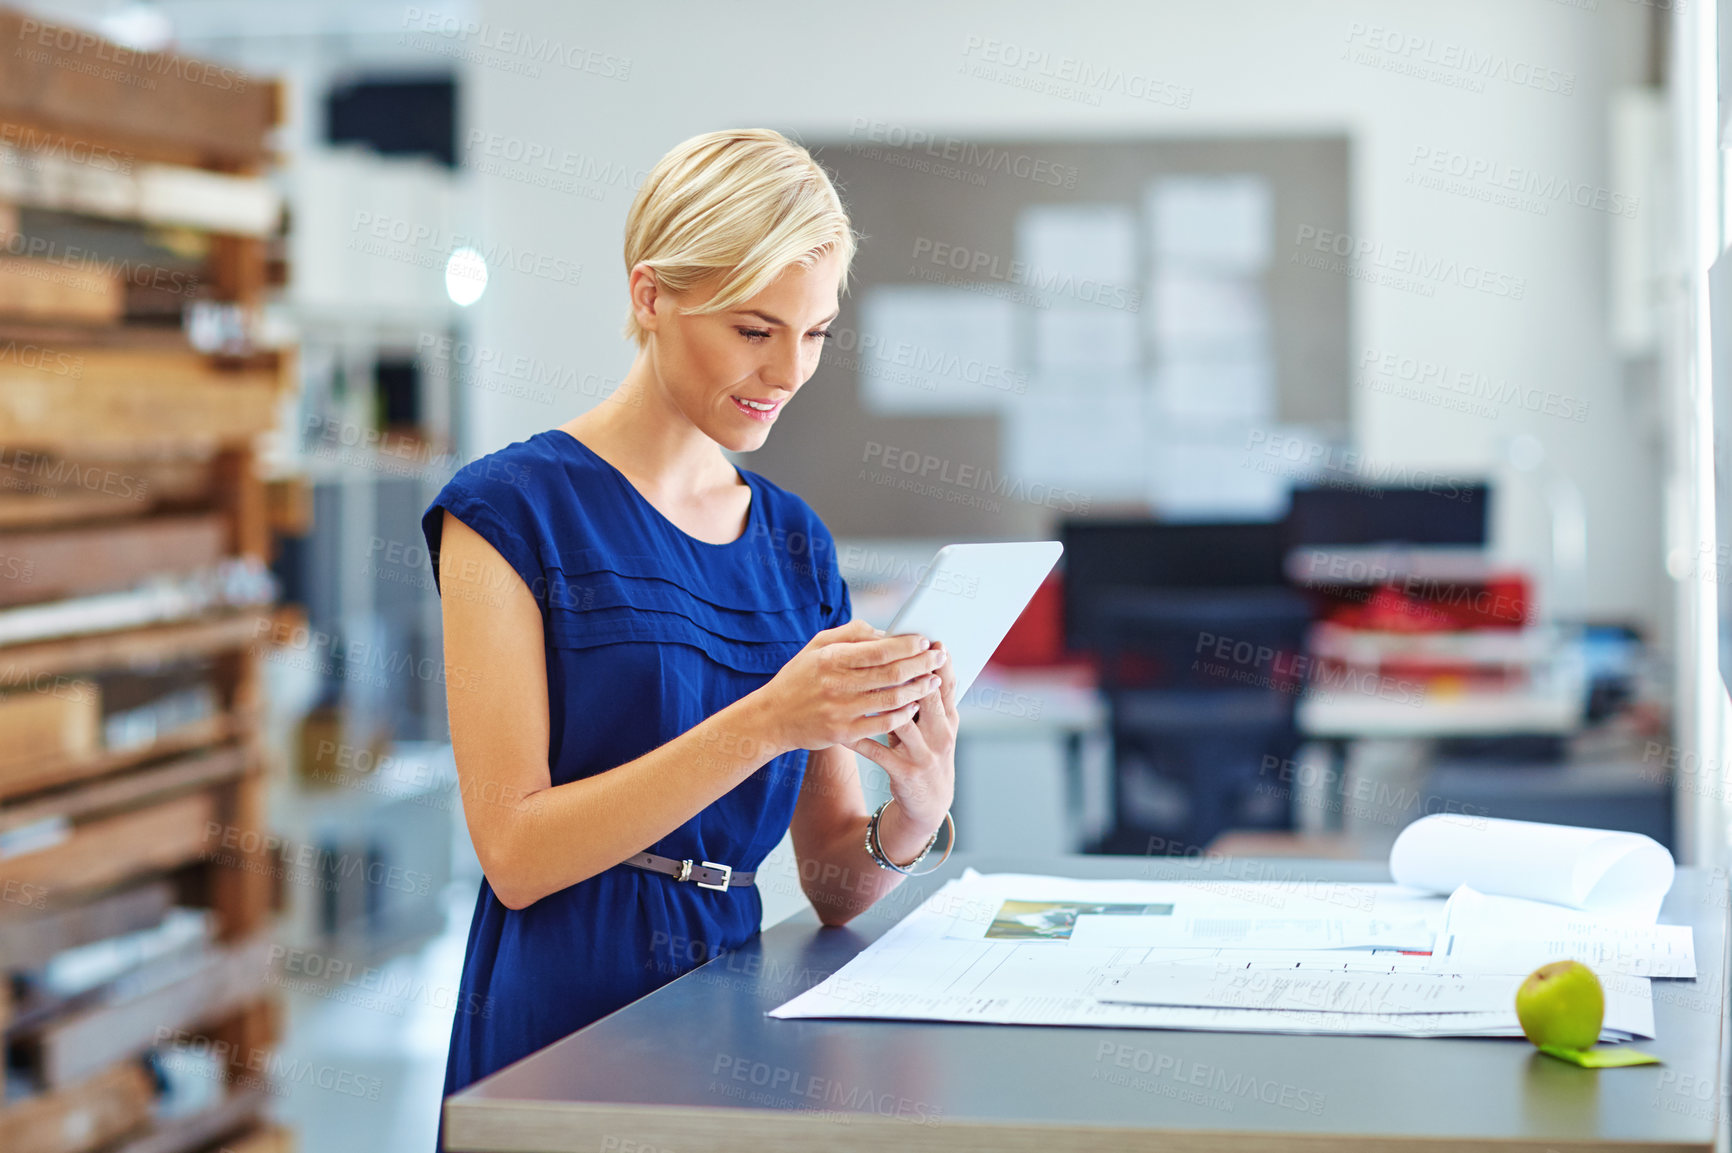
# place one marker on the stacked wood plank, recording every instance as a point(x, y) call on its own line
point(128, 472)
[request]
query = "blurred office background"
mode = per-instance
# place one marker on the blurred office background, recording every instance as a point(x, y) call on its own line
point(1357, 352)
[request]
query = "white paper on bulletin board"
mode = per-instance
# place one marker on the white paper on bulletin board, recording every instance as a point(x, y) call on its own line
point(1096, 243)
point(1080, 434)
point(1220, 222)
point(937, 350)
point(1235, 386)
point(1071, 338)
point(1190, 310)
point(1202, 472)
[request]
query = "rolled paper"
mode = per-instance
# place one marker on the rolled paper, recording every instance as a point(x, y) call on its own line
point(1603, 871)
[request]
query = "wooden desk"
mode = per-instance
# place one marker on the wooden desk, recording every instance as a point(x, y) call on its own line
point(697, 1066)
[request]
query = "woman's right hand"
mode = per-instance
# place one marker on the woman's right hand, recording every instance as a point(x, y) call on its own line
point(828, 692)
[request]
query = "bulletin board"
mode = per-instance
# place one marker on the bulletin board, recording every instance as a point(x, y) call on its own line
point(1042, 329)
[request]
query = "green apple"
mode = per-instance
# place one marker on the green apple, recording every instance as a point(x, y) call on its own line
point(1561, 1005)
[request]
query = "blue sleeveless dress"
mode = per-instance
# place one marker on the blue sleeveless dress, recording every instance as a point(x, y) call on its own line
point(648, 632)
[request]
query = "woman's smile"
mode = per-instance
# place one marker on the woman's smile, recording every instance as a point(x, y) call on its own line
point(755, 409)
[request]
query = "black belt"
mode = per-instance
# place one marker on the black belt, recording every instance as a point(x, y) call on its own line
point(707, 874)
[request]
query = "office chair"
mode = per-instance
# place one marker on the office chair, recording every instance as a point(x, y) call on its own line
point(1202, 688)
point(1191, 731)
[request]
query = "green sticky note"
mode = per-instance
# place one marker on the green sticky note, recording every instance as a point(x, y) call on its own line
point(1600, 1058)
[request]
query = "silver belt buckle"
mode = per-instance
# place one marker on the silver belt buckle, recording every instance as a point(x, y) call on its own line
point(727, 872)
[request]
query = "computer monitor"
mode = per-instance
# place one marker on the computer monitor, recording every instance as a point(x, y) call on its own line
point(1149, 554)
point(1449, 515)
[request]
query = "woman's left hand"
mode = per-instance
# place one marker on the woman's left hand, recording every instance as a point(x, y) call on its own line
point(920, 758)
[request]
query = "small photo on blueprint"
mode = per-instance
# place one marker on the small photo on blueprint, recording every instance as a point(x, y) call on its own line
point(1054, 920)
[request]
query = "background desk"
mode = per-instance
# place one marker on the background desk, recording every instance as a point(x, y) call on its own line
point(660, 1074)
point(1033, 763)
point(1553, 710)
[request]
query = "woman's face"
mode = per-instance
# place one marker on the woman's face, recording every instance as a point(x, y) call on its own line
point(731, 372)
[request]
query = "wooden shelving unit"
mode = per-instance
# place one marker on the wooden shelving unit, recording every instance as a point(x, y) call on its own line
point(135, 528)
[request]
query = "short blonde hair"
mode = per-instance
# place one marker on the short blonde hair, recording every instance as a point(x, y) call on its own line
point(746, 204)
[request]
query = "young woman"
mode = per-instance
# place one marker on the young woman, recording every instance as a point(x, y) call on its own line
point(650, 662)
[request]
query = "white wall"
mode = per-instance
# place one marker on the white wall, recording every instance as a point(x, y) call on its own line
point(1250, 68)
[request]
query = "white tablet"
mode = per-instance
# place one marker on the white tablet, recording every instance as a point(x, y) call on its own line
point(970, 595)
